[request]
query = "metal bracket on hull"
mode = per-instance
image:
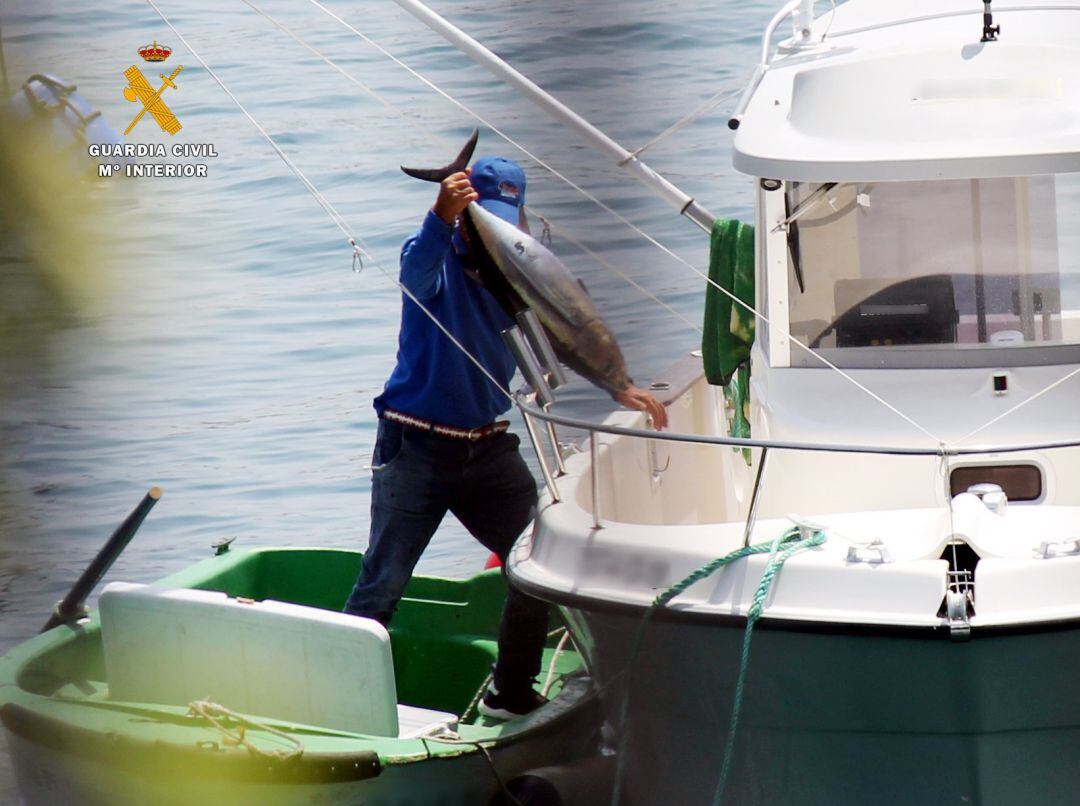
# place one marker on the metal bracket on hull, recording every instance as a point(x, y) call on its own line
point(1047, 549)
point(957, 604)
point(873, 552)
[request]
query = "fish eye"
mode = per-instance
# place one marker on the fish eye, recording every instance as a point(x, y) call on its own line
point(519, 247)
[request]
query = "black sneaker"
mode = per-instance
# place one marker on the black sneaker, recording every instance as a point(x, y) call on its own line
point(510, 704)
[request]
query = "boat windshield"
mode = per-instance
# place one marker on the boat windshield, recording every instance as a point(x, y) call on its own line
point(978, 272)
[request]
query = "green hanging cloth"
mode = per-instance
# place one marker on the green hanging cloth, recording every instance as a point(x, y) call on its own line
point(729, 327)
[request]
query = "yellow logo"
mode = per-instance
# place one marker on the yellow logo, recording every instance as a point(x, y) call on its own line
point(139, 89)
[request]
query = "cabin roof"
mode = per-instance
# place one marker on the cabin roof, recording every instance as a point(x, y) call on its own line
point(906, 91)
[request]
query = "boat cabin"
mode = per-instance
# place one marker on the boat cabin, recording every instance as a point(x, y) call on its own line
point(916, 355)
point(918, 199)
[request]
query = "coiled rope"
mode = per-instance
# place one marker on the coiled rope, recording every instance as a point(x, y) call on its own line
point(235, 735)
point(781, 549)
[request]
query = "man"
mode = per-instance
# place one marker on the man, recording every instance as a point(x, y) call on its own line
point(438, 447)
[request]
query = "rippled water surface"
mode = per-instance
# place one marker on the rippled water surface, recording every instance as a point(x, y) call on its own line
point(236, 356)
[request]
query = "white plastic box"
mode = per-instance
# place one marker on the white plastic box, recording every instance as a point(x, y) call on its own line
point(269, 659)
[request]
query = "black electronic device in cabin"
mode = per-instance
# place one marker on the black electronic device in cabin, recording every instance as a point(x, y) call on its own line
point(921, 310)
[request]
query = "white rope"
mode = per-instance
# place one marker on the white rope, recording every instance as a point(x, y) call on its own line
point(214, 713)
point(750, 309)
point(682, 123)
point(1019, 405)
point(359, 249)
point(549, 681)
point(410, 117)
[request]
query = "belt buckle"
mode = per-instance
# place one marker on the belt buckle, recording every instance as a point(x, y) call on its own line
point(475, 434)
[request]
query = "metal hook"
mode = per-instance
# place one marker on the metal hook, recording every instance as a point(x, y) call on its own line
point(657, 472)
point(545, 233)
point(357, 257)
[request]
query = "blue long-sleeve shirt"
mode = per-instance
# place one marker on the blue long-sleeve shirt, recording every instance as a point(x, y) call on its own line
point(433, 379)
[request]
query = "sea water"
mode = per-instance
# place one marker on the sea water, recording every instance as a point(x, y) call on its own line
point(233, 353)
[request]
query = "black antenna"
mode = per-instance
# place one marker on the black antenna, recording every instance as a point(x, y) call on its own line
point(990, 31)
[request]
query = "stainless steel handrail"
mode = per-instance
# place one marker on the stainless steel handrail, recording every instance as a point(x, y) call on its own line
point(529, 412)
point(942, 449)
point(593, 429)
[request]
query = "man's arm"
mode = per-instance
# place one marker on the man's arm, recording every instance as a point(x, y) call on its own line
point(422, 255)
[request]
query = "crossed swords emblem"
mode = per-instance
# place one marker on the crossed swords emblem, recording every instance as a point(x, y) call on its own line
point(139, 89)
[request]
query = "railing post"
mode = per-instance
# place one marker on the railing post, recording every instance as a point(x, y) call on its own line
point(560, 467)
point(594, 469)
point(541, 347)
point(751, 515)
point(549, 480)
point(529, 366)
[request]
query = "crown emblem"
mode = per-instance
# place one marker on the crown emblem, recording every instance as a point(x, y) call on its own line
point(155, 52)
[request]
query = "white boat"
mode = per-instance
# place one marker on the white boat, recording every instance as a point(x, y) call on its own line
point(912, 418)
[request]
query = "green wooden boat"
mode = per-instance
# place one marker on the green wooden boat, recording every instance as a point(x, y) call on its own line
point(73, 741)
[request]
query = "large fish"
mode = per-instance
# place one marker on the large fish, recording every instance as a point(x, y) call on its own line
point(542, 282)
point(520, 273)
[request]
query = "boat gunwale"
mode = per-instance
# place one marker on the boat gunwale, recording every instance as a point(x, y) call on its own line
point(936, 632)
point(125, 751)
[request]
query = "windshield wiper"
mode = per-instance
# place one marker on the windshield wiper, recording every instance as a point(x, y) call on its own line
point(793, 245)
point(803, 207)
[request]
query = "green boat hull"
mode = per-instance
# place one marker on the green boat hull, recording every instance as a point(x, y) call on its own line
point(835, 714)
point(70, 743)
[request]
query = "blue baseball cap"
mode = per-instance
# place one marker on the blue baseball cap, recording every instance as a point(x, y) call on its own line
point(500, 183)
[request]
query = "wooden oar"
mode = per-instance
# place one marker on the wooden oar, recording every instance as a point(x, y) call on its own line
point(72, 607)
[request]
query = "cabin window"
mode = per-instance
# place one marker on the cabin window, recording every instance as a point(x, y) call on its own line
point(1020, 482)
point(945, 273)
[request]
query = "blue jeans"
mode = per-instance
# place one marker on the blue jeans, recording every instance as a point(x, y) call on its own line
point(417, 477)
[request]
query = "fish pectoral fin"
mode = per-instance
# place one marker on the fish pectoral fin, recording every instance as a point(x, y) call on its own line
point(459, 164)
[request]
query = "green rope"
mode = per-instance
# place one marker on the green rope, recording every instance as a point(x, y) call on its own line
point(791, 543)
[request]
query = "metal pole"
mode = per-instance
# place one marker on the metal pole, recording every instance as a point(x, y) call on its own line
point(528, 364)
point(803, 22)
point(72, 607)
point(541, 346)
point(763, 64)
point(559, 466)
point(751, 515)
point(595, 138)
point(549, 480)
point(594, 471)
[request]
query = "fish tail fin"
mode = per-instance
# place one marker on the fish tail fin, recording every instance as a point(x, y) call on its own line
point(459, 164)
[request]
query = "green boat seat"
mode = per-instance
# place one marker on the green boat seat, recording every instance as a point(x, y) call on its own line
point(270, 660)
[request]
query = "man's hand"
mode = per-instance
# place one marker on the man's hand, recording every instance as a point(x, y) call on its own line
point(455, 193)
point(634, 398)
